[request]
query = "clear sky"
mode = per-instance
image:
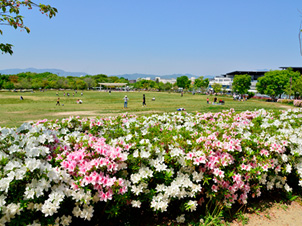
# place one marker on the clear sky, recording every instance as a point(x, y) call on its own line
point(199, 37)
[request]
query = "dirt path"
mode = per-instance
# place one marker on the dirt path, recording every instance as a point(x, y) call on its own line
point(95, 113)
point(289, 107)
point(277, 215)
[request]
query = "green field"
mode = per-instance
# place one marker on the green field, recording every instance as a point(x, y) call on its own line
point(41, 105)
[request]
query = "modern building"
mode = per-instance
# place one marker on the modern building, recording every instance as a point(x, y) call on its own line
point(171, 80)
point(227, 80)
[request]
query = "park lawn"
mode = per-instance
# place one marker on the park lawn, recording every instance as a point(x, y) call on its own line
point(42, 105)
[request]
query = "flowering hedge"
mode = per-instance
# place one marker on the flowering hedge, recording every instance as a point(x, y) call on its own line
point(298, 103)
point(53, 172)
point(286, 101)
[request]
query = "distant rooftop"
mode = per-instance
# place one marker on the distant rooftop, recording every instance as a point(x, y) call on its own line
point(246, 72)
point(254, 74)
point(294, 68)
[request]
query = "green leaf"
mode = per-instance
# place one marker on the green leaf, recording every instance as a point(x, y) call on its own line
point(6, 48)
point(27, 29)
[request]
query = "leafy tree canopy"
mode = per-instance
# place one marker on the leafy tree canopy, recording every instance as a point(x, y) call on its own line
point(183, 82)
point(241, 83)
point(273, 83)
point(297, 87)
point(217, 87)
point(10, 16)
point(200, 82)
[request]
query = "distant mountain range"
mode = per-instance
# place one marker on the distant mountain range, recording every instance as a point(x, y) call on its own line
point(151, 76)
point(60, 72)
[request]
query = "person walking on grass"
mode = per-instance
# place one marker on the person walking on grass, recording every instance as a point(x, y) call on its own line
point(125, 101)
point(144, 100)
point(58, 102)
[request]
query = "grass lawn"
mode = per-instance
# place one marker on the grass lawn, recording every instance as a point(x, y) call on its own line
point(41, 105)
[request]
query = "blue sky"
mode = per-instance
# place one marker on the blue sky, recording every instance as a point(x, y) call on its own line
point(161, 37)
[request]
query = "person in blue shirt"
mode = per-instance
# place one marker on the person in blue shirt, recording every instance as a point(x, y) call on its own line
point(125, 101)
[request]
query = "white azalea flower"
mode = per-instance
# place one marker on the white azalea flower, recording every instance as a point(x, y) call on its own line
point(192, 205)
point(288, 188)
point(181, 219)
point(136, 203)
point(288, 168)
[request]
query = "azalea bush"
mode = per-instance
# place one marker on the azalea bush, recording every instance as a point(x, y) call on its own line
point(286, 101)
point(298, 103)
point(55, 172)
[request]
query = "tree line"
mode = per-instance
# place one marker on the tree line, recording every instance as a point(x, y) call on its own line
point(47, 80)
point(273, 83)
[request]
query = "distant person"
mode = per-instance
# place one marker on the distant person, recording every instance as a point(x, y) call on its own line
point(64, 94)
point(79, 101)
point(182, 94)
point(215, 100)
point(207, 100)
point(125, 101)
point(58, 102)
point(21, 98)
point(81, 94)
point(153, 99)
point(144, 100)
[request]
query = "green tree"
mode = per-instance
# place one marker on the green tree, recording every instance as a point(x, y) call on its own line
point(168, 86)
point(45, 83)
point(183, 82)
point(80, 84)
point(90, 82)
point(200, 82)
point(36, 83)
point(10, 15)
point(25, 83)
point(241, 83)
point(3, 78)
point(123, 80)
point(273, 83)
point(62, 83)
point(100, 78)
point(8, 85)
point(297, 87)
point(160, 85)
point(217, 87)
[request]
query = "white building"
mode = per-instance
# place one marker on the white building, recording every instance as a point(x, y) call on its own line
point(171, 80)
point(227, 80)
point(147, 78)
